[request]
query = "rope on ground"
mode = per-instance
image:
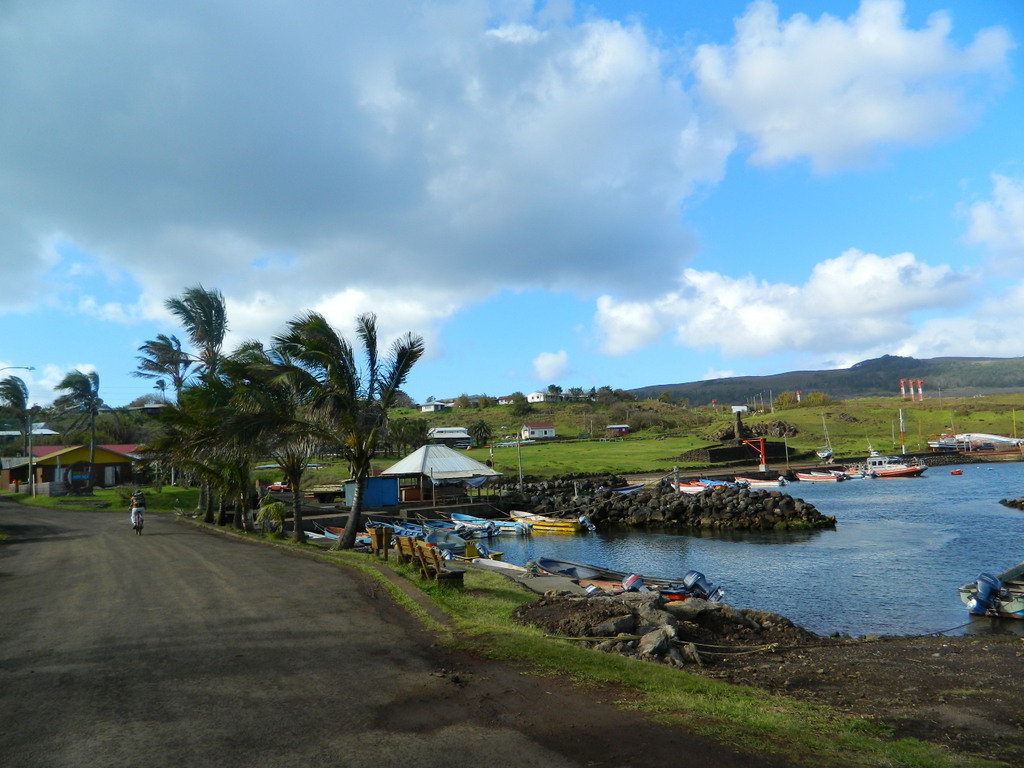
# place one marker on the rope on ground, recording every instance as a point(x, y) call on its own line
point(734, 650)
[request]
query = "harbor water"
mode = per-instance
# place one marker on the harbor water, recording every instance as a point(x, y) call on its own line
point(892, 566)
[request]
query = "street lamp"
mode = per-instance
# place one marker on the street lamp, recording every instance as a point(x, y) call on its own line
point(18, 367)
point(31, 428)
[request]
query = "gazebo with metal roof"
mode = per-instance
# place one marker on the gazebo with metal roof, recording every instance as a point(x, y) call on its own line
point(439, 465)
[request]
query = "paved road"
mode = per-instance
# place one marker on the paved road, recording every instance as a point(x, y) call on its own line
point(187, 648)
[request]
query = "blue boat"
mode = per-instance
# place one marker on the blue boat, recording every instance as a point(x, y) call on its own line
point(501, 526)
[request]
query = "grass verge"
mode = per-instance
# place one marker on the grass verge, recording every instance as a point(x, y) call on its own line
point(746, 719)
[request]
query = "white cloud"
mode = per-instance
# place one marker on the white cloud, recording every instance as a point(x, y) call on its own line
point(411, 160)
point(854, 301)
point(550, 366)
point(379, 151)
point(711, 374)
point(838, 91)
point(999, 223)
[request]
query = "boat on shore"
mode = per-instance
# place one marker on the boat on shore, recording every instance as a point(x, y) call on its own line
point(753, 482)
point(690, 487)
point(1000, 596)
point(690, 584)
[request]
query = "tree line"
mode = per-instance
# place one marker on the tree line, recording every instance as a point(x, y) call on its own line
point(309, 392)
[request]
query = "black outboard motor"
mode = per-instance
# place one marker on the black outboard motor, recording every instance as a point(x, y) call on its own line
point(988, 592)
point(698, 586)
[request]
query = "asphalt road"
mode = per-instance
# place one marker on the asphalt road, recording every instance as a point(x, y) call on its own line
point(186, 648)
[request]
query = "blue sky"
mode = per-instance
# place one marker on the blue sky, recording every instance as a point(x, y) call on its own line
point(615, 193)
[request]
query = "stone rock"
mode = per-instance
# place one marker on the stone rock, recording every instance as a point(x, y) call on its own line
point(655, 643)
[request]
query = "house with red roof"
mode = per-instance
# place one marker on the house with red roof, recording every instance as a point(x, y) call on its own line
point(59, 468)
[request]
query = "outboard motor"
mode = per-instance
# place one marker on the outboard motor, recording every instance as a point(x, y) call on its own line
point(634, 583)
point(696, 584)
point(586, 523)
point(988, 591)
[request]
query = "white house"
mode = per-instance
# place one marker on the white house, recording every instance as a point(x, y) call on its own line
point(544, 397)
point(434, 406)
point(537, 430)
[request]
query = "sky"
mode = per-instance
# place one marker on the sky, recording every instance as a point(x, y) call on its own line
point(619, 193)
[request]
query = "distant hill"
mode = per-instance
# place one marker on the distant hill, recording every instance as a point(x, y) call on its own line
point(950, 376)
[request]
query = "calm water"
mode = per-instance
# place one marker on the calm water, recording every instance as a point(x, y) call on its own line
point(900, 549)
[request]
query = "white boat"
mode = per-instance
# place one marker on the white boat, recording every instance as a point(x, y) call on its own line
point(753, 482)
point(691, 487)
point(825, 452)
point(819, 477)
point(877, 465)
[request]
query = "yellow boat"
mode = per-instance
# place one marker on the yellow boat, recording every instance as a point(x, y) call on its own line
point(545, 524)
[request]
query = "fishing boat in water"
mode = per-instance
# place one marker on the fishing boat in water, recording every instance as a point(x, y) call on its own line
point(1001, 595)
point(690, 584)
point(877, 465)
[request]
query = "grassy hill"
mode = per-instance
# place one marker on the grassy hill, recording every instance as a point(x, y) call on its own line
point(662, 433)
point(941, 376)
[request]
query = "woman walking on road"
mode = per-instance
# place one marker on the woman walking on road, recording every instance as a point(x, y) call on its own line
point(138, 511)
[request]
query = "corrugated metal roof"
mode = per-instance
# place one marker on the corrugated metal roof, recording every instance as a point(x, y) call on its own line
point(441, 463)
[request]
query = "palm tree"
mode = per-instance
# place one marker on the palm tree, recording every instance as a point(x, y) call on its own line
point(481, 433)
point(82, 398)
point(14, 397)
point(163, 358)
point(203, 315)
point(273, 399)
point(353, 399)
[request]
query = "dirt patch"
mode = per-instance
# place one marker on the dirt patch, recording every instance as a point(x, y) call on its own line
point(960, 692)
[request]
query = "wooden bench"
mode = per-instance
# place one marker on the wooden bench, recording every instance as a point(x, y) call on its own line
point(432, 565)
point(380, 541)
point(405, 548)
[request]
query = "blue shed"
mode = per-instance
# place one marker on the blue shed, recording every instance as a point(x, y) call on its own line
point(377, 492)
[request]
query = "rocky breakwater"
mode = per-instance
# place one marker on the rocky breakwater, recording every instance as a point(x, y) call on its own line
point(718, 507)
point(648, 627)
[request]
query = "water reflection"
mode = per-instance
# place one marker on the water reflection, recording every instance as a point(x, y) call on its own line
point(892, 565)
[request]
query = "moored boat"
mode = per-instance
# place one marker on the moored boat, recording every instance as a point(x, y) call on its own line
point(502, 526)
point(548, 524)
point(1001, 595)
point(819, 477)
point(690, 584)
point(877, 465)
